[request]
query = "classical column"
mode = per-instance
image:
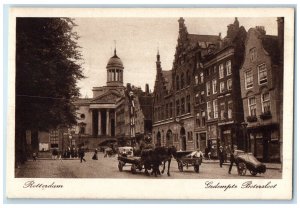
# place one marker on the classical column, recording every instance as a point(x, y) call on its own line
point(107, 122)
point(99, 122)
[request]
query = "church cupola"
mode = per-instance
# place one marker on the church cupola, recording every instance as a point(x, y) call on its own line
point(114, 71)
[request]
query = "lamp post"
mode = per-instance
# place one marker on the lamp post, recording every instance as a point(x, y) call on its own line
point(244, 126)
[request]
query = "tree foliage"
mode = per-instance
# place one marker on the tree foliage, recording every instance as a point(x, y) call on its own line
point(47, 70)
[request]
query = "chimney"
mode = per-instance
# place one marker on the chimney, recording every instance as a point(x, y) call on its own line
point(280, 30)
point(261, 29)
point(147, 88)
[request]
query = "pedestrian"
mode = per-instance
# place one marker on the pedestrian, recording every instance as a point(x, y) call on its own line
point(232, 160)
point(54, 154)
point(95, 156)
point(34, 156)
point(81, 154)
point(221, 156)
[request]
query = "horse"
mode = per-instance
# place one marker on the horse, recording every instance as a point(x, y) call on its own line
point(150, 160)
point(165, 155)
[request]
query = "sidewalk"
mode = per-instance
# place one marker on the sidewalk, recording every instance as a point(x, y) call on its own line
point(274, 166)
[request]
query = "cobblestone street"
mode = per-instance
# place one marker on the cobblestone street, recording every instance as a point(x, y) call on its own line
point(108, 168)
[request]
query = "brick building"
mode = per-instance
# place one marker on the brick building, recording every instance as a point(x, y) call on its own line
point(197, 104)
point(261, 78)
point(219, 91)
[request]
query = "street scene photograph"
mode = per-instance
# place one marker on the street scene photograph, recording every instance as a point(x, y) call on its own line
point(149, 98)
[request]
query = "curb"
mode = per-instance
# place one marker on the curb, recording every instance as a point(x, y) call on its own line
point(215, 161)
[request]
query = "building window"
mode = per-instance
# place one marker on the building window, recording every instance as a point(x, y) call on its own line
point(203, 120)
point(221, 71)
point(265, 102)
point(252, 106)
point(177, 107)
point(177, 83)
point(198, 119)
point(167, 110)
point(207, 72)
point(215, 69)
point(209, 113)
point(188, 103)
point(188, 78)
point(202, 97)
point(182, 106)
point(82, 130)
point(222, 87)
point(53, 134)
point(253, 54)
point(222, 110)
point(262, 74)
point(197, 98)
point(196, 80)
point(228, 67)
point(214, 85)
point(171, 110)
point(201, 77)
point(182, 80)
point(248, 79)
point(229, 84)
point(215, 107)
point(208, 88)
point(230, 107)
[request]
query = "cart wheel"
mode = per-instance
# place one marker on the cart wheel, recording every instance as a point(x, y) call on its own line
point(242, 169)
point(133, 169)
point(253, 173)
point(180, 167)
point(196, 168)
point(120, 166)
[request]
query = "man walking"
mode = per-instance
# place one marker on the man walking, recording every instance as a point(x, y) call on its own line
point(81, 154)
point(232, 160)
point(221, 156)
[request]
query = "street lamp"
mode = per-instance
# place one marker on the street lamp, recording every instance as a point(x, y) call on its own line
point(244, 125)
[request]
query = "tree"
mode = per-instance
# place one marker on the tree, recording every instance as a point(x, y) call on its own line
point(47, 70)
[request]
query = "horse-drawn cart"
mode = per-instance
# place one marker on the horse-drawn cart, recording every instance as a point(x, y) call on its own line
point(126, 158)
point(134, 162)
point(188, 158)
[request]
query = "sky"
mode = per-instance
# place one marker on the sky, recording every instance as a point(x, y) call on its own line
point(137, 42)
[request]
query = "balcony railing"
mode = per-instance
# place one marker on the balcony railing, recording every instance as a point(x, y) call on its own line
point(251, 118)
point(266, 115)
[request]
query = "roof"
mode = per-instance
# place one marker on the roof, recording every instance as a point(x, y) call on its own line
point(167, 75)
point(115, 61)
point(270, 44)
point(81, 101)
point(203, 40)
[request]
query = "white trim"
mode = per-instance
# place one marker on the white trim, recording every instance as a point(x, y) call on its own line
point(258, 67)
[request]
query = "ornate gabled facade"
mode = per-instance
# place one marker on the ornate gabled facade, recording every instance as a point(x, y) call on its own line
point(220, 106)
point(261, 78)
point(173, 92)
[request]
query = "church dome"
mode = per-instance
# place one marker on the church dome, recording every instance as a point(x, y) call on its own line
point(115, 62)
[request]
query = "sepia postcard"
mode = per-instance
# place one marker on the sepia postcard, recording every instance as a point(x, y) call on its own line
point(150, 103)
